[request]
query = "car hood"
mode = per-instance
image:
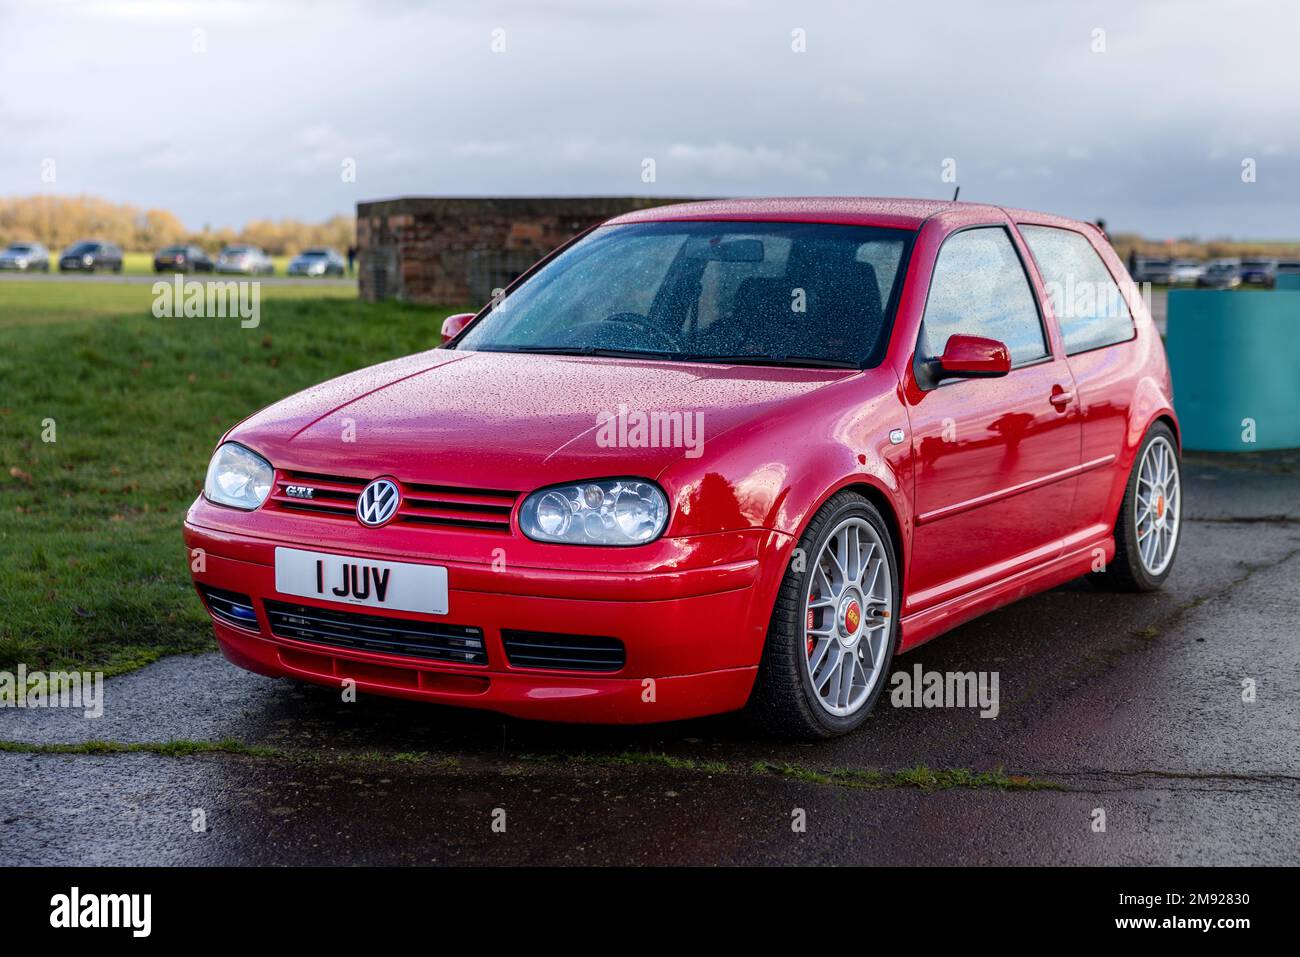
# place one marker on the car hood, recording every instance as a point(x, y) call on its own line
point(512, 421)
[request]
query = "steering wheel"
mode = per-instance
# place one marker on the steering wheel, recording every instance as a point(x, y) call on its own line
point(620, 339)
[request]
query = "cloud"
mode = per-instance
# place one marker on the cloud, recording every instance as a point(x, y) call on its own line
point(1149, 134)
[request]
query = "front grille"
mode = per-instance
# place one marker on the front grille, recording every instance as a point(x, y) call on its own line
point(448, 506)
point(394, 636)
point(229, 606)
point(543, 649)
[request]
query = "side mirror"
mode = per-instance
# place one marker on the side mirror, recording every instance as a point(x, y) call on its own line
point(965, 357)
point(452, 326)
point(974, 357)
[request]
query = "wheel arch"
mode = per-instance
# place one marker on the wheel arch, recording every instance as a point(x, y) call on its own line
point(1168, 419)
point(883, 502)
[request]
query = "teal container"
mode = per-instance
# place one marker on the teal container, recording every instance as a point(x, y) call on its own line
point(1289, 281)
point(1235, 358)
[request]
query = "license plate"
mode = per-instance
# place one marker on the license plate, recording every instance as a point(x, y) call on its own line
point(401, 586)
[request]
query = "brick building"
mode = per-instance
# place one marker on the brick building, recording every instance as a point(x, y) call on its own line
point(455, 251)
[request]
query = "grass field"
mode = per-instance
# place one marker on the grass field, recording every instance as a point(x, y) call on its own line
point(93, 573)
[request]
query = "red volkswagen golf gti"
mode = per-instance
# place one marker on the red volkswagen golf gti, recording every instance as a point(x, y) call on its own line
point(705, 457)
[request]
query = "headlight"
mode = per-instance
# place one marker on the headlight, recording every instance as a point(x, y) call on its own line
point(238, 477)
point(604, 512)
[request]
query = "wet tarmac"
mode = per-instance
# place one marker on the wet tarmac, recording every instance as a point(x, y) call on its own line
point(1129, 706)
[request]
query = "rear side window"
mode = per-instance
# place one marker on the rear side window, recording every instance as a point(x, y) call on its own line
point(1087, 302)
point(979, 288)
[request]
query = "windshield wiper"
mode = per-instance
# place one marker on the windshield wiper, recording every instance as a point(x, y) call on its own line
point(762, 359)
point(748, 358)
point(584, 351)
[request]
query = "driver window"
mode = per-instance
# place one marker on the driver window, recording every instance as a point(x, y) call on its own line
point(979, 288)
point(604, 285)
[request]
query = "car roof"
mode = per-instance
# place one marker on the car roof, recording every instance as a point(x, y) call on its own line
point(847, 210)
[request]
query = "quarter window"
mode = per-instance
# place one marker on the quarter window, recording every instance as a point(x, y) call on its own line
point(979, 288)
point(1088, 305)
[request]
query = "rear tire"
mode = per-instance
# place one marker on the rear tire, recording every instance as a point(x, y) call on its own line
point(1152, 506)
point(785, 700)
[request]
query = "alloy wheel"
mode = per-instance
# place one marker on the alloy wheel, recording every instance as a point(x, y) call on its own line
point(848, 614)
point(1158, 505)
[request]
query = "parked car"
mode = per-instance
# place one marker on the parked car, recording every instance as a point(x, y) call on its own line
point(91, 256)
point(1221, 274)
point(739, 453)
point(1155, 271)
point(248, 260)
point(1185, 272)
point(1258, 272)
point(1288, 267)
point(317, 262)
point(182, 259)
point(25, 257)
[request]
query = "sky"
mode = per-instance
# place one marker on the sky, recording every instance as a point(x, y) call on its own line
point(1142, 113)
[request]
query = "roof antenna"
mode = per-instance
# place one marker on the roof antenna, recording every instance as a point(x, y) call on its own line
point(955, 193)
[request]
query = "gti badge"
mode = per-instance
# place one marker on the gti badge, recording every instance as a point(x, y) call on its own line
point(299, 491)
point(378, 503)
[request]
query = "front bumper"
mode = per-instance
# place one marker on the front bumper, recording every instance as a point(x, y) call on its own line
point(692, 615)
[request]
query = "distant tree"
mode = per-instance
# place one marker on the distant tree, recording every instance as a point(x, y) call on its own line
point(58, 221)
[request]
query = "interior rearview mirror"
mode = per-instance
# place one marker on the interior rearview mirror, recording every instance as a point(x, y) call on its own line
point(731, 251)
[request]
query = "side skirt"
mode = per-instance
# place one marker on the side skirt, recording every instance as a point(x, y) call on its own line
point(920, 627)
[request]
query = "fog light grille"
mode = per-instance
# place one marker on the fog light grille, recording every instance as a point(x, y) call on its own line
point(550, 650)
point(230, 607)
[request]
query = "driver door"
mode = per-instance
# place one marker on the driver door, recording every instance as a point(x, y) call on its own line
point(995, 459)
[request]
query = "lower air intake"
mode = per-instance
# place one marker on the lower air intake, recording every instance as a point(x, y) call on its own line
point(394, 636)
point(544, 649)
point(230, 607)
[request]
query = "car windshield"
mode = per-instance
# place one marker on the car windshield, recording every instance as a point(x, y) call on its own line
point(19, 248)
point(315, 253)
point(779, 293)
point(82, 248)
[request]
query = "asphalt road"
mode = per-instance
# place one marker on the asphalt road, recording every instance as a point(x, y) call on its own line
point(1131, 705)
point(129, 280)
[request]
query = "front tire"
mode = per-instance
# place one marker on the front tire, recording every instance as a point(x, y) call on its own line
point(834, 629)
point(1149, 526)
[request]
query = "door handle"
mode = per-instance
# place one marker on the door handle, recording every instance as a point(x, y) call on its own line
point(1060, 398)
